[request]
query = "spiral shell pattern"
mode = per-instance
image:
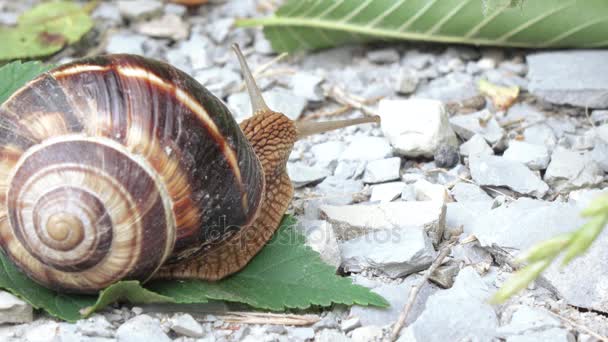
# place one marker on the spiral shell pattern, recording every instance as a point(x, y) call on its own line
point(113, 166)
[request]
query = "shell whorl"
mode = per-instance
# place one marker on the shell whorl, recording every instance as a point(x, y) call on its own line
point(119, 151)
point(74, 199)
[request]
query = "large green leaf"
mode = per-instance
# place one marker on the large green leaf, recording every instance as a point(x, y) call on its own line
point(285, 274)
point(313, 24)
point(44, 30)
point(16, 74)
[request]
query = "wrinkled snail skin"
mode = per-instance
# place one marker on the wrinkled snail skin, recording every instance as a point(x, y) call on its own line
point(120, 167)
point(116, 165)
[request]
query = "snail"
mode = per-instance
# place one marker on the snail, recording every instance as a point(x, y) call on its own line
point(121, 167)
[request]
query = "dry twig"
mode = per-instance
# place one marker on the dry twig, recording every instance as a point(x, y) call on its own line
point(267, 318)
point(578, 326)
point(342, 97)
point(445, 251)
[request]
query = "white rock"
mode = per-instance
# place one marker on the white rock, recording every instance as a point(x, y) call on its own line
point(347, 169)
point(416, 127)
point(367, 334)
point(350, 324)
point(139, 9)
point(47, 331)
point(476, 145)
point(386, 192)
point(301, 333)
point(168, 26)
point(482, 123)
point(321, 238)
point(186, 325)
point(176, 9)
point(126, 42)
point(395, 253)
point(535, 157)
point(427, 191)
point(367, 148)
point(141, 328)
point(355, 220)
point(14, 310)
point(524, 222)
point(394, 294)
point(498, 171)
point(465, 214)
point(219, 29)
point(301, 174)
point(307, 85)
point(285, 102)
point(328, 152)
point(383, 56)
point(552, 335)
point(467, 192)
point(96, 326)
point(463, 308)
point(570, 170)
point(407, 81)
point(332, 335)
point(382, 170)
point(583, 197)
point(540, 134)
point(338, 191)
point(526, 319)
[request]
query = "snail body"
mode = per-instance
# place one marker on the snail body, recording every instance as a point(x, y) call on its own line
point(121, 167)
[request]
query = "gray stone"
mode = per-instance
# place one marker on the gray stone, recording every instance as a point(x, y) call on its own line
point(407, 82)
point(302, 175)
point(396, 295)
point(427, 191)
point(301, 333)
point(240, 106)
point(139, 9)
point(367, 334)
point(599, 117)
point(347, 169)
point(383, 56)
point(321, 238)
point(350, 324)
point(332, 335)
point(463, 308)
point(14, 310)
point(540, 134)
point(515, 67)
point(219, 29)
point(599, 154)
point(482, 123)
point(446, 156)
point(307, 85)
point(168, 26)
point(465, 214)
point(476, 145)
point(219, 81)
point(126, 42)
point(95, 326)
point(525, 112)
point(141, 328)
point(467, 192)
point(107, 12)
point(535, 157)
point(328, 152)
point(408, 193)
point(9, 18)
point(382, 170)
point(583, 197)
point(261, 44)
point(445, 274)
point(497, 171)
point(356, 220)
point(418, 60)
point(524, 222)
point(455, 86)
point(395, 253)
point(416, 127)
point(367, 148)
point(186, 325)
point(549, 335)
point(386, 192)
point(527, 319)
point(570, 170)
point(176, 9)
point(583, 83)
point(339, 191)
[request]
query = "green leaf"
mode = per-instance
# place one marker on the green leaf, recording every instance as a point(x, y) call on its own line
point(546, 249)
point(519, 281)
point(285, 274)
point(125, 291)
point(14, 75)
point(583, 237)
point(44, 30)
point(62, 306)
point(534, 23)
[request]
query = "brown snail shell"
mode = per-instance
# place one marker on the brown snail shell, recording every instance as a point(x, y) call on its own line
point(121, 167)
